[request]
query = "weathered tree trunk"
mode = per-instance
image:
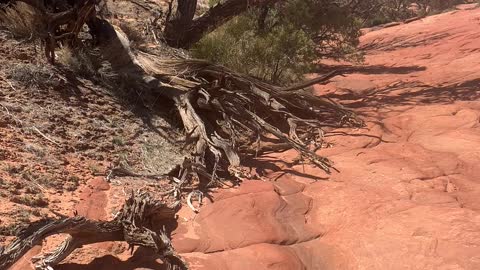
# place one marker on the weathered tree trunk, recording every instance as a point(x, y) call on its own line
point(177, 26)
point(182, 31)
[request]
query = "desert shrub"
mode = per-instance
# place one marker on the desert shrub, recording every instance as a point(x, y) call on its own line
point(376, 12)
point(79, 61)
point(72, 183)
point(280, 43)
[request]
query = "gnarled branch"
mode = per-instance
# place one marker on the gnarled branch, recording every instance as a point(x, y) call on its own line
point(133, 224)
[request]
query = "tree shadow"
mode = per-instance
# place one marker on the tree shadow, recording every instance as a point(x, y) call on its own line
point(142, 258)
point(415, 93)
point(372, 69)
point(264, 167)
point(145, 106)
point(405, 42)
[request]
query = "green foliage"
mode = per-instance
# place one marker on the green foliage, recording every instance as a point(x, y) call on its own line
point(375, 12)
point(281, 43)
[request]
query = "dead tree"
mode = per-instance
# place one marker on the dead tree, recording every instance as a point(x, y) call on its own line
point(133, 224)
point(224, 114)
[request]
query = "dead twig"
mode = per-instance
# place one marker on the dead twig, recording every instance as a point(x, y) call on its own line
point(45, 136)
point(5, 108)
point(199, 199)
point(11, 85)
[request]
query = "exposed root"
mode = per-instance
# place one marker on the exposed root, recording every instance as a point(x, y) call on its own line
point(199, 199)
point(133, 224)
point(223, 110)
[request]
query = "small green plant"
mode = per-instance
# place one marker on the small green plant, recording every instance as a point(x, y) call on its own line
point(94, 169)
point(36, 150)
point(23, 216)
point(73, 179)
point(72, 183)
point(18, 185)
point(47, 180)
point(118, 140)
point(9, 230)
point(32, 190)
point(36, 212)
point(28, 175)
point(14, 191)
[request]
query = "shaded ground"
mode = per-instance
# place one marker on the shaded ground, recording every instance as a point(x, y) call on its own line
point(406, 195)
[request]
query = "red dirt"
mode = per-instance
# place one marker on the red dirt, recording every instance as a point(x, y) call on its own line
point(407, 194)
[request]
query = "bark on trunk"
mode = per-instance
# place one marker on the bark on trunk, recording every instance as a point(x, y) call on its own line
point(183, 31)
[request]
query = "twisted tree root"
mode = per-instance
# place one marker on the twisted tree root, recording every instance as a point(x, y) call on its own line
point(133, 225)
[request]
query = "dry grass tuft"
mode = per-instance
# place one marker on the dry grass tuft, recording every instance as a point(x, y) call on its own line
point(31, 75)
point(78, 61)
point(22, 21)
point(86, 63)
